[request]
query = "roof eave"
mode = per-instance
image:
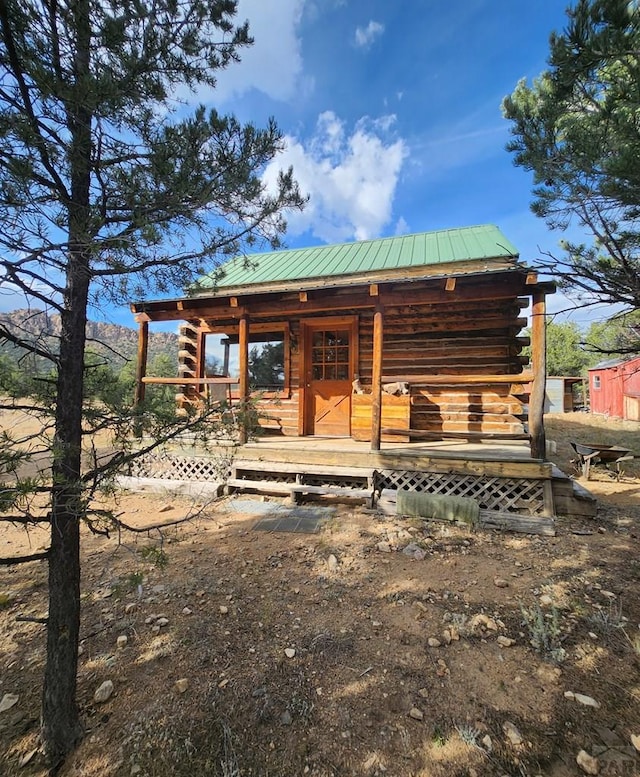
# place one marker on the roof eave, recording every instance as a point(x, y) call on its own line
point(424, 272)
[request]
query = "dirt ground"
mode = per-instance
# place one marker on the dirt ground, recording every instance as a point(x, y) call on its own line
point(238, 652)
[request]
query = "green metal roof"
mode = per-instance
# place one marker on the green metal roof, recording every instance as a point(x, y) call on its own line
point(366, 256)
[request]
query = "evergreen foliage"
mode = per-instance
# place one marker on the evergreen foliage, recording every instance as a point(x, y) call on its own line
point(576, 129)
point(111, 188)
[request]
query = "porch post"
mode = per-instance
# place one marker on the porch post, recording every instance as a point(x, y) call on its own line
point(243, 347)
point(141, 364)
point(376, 379)
point(539, 367)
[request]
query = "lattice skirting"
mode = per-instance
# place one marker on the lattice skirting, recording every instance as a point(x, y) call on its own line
point(173, 466)
point(492, 493)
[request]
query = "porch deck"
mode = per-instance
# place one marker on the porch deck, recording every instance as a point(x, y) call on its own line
point(500, 475)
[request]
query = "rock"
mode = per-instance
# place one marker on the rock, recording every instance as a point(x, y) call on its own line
point(588, 701)
point(587, 763)
point(384, 547)
point(286, 718)
point(481, 623)
point(433, 642)
point(182, 684)
point(103, 692)
point(546, 600)
point(223, 610)
point(416, 713)
point(505, 641)
point(488, 744)
point(8, 701)
point(122, 640)
point(500, 582)
point(635, 741)
point(162, 622)
point(332, 563)
point(512, 733)
point(289, 652)
point(165, 508)
point(186, 611)
point(414, 551)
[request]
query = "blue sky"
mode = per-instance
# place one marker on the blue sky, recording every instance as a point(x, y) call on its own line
point(391, 112)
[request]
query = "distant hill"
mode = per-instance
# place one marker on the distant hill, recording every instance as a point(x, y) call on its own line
point(118, 344)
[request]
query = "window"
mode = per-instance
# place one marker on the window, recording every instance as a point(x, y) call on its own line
point(268, 357)
point(596, 383)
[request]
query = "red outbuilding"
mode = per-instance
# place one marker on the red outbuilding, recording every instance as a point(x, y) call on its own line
point(614, 388)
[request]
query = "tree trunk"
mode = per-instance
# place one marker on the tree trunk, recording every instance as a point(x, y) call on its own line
point(61, 727)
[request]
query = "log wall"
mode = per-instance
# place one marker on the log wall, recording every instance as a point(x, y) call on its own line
point(480, 339)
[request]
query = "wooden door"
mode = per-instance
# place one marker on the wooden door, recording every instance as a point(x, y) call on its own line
point(329, 369)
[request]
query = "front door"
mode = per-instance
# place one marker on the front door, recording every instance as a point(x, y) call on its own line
point(329, 368)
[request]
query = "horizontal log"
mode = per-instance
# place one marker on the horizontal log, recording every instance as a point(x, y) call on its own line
point(422, 434)
point(186, 381)
point(458, 380)
point(525, 524)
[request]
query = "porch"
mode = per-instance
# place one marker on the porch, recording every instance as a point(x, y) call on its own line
point(501, 476)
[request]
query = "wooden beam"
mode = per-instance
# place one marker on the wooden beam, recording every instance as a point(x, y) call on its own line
point(450, 284)
point(539, 365)
point(141, 367)
point(243, 355)
point(478, 288)
point(532, 278)
point(303, 296)
point(376, 382)
point(374, 290)
point(458, 380)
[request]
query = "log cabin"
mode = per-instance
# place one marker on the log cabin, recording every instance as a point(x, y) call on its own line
point(440, 313)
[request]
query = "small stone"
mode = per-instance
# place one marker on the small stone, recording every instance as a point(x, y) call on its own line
point(122, 640)
point(8, 701)
point(103, 692)
point(384, 547)
point(223, 610)
point(608, 594)
point(588, 701)
point(488, 744)
point(289, 652)
point(165, 508)
point(512, 733)
point(546, 600)
point(286, 718)
point(500, 582)
point(416, 713)
point(635, 741)
point(332, 563)
point(162, 622)
point(505, 641)
point(424, 692)
point(186, 611)
point(587, 763)
point(443, 669)
point(182, 684)
point(433, 642)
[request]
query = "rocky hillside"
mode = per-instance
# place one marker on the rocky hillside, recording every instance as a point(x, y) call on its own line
point(118, 344)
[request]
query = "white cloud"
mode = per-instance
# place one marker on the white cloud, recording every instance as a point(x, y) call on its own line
point(273, 64)
point(351, 179)
point(365, 36)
